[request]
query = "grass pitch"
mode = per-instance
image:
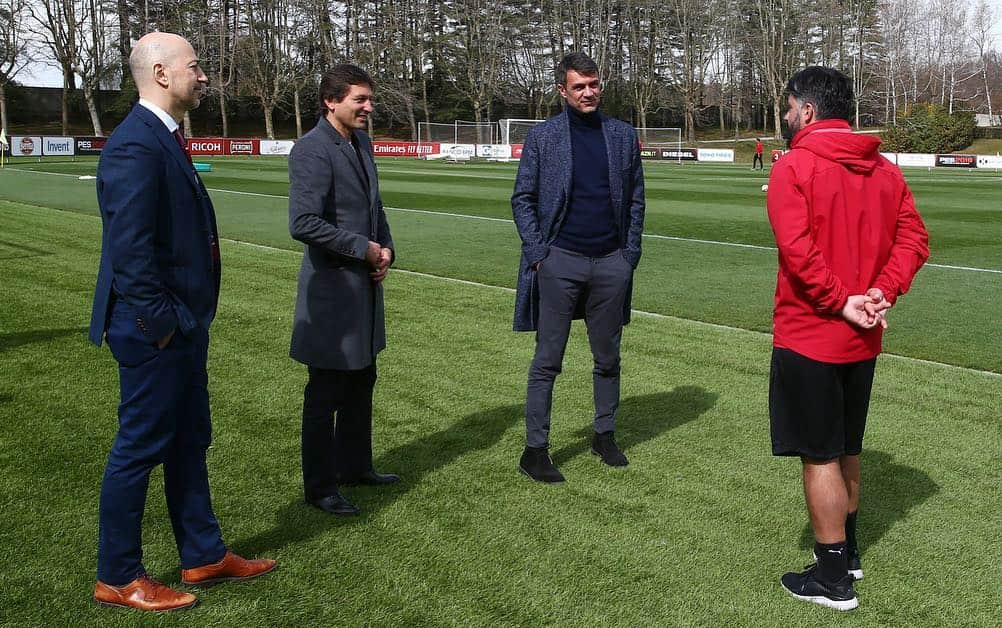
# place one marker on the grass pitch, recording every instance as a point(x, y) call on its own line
point(696, 531)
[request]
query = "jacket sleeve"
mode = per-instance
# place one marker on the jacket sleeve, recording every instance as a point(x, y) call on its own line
point(525, 203)
point(799, 256)
point(310, 177)
point(130, 194)
point(908, 253)
point(638, 204)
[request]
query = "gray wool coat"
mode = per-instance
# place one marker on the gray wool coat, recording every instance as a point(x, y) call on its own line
point(338, 322)
point(542, 191)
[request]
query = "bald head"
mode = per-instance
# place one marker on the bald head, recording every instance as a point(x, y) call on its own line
point(151, 49)
point(166, 72)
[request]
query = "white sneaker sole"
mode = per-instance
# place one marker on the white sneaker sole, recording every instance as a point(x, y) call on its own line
point(839, 605)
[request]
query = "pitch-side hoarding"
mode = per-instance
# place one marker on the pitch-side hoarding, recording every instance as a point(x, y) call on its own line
point(25, 146)
point(458, 151)
point(922, 160)
point(275, 147)
point(990, 161)
point(494, 151)
point(404, 149)
point(90, 145)
point(61, 146)
point(715, 154)
point(957, 161)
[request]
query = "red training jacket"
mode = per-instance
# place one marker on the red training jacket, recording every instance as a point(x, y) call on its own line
point(844, 221)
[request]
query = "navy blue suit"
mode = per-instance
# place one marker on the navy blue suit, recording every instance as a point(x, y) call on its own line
point(159, 273)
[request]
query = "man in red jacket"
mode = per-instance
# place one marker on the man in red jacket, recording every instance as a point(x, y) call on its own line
point(850, 242)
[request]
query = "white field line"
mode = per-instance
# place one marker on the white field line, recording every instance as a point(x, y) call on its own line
point(506, 220)
point(654, 315)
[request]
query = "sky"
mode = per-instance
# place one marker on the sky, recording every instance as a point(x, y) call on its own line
point(40, 75)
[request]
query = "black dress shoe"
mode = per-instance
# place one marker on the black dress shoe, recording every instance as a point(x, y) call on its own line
point(335, 504)
point(370, 478)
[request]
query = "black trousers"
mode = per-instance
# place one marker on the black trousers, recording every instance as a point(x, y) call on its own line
point(757, 160)
point(337, 428)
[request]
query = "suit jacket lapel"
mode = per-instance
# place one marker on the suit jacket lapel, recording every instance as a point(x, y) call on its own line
point(612, 141)
point(343, 145)
point(370, 167)
point(168, 141)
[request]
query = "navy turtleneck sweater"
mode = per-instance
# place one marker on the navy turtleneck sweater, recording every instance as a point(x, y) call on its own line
point(589, 227)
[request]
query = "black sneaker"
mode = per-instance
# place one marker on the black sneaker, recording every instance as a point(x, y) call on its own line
point(807, 587)
point(855, 565)
point(604, 445)
point(536, 464)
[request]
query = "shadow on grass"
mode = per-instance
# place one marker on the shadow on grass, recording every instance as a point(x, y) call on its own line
point(889, 490)
point(644, 417)
point(11, 341)
point(296, 521)
point(20, 251)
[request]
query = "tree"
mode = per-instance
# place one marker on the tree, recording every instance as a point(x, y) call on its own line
point(930, 129)
point(982, 21)
point(58, 22)
point(695, 36)
point(14, 54)
point(264, 56)
point(644, 56)
point(475, 51)
point(94, 61)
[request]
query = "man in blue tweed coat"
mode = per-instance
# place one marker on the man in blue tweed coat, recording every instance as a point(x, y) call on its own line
point(578, 205)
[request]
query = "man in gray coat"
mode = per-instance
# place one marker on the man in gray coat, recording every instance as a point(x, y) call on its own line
point(578, 205)
point(336, 211)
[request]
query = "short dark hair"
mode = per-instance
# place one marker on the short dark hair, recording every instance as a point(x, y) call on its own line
point(337, 81)
point(827, 89)
point(577, 61)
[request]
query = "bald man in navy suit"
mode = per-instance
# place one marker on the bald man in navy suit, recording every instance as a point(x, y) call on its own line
point(157, 291)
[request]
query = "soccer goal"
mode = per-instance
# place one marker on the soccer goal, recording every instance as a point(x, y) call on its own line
point(513, 131)
point(660, 137)
point(456, 132)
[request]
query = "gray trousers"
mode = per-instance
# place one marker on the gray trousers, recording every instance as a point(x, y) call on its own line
point(565, 278)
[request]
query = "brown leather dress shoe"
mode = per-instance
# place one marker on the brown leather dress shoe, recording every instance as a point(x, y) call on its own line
point(143, 593)
point(229, 569)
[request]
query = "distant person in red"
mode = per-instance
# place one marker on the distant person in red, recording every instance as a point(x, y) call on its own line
point(758, 155)
point(850, 242)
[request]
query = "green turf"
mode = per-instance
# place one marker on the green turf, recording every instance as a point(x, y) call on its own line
point(950, 316)
point(695, 532)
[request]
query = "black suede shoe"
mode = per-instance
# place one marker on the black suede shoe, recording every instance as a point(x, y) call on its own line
point(335, 504)
point(806, 586)
point(536, 464)
point(370, 478)
point(604, 445)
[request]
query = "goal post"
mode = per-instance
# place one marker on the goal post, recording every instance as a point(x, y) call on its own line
point(514, 130)
point(661, 137)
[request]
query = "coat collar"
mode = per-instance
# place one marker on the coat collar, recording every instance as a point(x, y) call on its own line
point(355, 159)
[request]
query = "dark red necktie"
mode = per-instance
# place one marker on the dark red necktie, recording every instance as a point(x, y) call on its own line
point(183, 144)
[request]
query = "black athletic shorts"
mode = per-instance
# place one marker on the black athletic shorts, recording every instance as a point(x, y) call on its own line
point(817, 409)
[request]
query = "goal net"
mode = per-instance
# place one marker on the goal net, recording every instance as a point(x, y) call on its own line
point(660, 137)
point(513, 131)
point(457, 132)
